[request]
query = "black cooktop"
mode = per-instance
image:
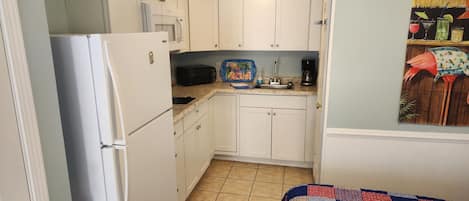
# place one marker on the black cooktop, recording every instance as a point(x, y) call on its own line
point(182, 100)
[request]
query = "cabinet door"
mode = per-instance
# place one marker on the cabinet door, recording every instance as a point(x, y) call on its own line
point(255, 132)
point(292, 24)
point(224, 122)
point(204, 141)
point(315, 28)
point(203, 20)
point(231, 24)
point(288, 134)
point(259, 24)
point(180, 170)
point(190, 158)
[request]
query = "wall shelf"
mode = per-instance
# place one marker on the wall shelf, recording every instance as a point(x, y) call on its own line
point(437, 43)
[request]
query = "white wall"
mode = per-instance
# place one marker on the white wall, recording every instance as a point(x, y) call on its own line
point(363, 144)
point(41, 69)
point(57, 16)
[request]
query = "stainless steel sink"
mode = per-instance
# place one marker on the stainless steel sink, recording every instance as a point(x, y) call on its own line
point(274, 86)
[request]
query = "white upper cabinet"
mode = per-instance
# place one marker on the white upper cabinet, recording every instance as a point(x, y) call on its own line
point(292, 24)
point(259, 24)
point(231, 24)
point(315, 27)
point(203, 25)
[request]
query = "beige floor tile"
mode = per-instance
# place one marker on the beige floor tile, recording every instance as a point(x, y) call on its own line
point(242, 173)
point(213, 184)
point(238, 187)
point(268, 190)
point(247, 165)
point(202, 196)
point(218, 171)
point(216, 162)
point(262, 199)
point(298, 176)
point(270, 175)
point(232, 197)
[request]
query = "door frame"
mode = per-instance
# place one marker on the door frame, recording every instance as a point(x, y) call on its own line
point(323, 88)
point(23, 99)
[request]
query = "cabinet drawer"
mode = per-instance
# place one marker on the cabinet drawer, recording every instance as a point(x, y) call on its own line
point(196, 114)
point(178, 129)
point(267, 101)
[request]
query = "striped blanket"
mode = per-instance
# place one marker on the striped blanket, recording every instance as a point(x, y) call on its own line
point(313, 192)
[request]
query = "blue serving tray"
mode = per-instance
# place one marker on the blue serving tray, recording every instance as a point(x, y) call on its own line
point(238, 70)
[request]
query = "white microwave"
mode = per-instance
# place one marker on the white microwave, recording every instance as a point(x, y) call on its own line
point(159, 19)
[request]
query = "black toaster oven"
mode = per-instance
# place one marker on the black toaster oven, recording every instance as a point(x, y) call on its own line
point(195, 74)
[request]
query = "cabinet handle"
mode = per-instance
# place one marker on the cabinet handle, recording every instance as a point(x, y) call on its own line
point(174, 133)
point(274, 114)
point(268, 113)
point(177, 190)
point(277, 45)
point(271, 45)
point(197, 110)
point(175, 155)
point(198, 127)
point(240, 45)
point(216, 45)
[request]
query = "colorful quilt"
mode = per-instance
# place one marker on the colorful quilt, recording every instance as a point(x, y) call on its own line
point(314, 192)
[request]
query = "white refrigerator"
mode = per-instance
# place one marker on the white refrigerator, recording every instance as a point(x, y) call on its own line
point(116, 109)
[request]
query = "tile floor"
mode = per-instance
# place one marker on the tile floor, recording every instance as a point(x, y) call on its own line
point(237, 181)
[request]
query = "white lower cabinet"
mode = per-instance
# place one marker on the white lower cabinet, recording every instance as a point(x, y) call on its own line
point(255, 132)
point(180, 169)
point(288, 134)
point(223, 109)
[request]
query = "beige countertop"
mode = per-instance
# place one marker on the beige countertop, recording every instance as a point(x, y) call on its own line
point(203, 92)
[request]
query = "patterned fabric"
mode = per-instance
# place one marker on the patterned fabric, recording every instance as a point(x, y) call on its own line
point(315, 192)
point(450, 61)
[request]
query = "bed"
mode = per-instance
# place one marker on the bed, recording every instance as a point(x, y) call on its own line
point(315, 192)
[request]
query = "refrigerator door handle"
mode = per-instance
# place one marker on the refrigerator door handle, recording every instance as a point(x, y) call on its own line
point(116, 97)
point(126, 170)
point(123, 140)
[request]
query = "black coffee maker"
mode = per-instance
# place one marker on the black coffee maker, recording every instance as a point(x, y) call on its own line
point(310, 73)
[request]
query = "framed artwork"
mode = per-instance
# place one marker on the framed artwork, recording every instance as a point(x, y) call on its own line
point(435, 84)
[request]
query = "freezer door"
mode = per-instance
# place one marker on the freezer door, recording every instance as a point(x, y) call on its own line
point(132, 79)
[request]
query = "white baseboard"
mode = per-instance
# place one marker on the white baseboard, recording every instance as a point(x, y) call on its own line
point(265, 161)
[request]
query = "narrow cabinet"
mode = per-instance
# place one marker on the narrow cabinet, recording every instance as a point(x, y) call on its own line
point(288, 134)
point(203, 25)
point(223, 112)
point(180, 171)
point(259, 24)
point(292, 25)
point(191, 154)
point(255, 132)
point(231, 24)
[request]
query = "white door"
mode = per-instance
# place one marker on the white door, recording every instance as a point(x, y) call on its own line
point(288, 134)
point(231, 24)
point(13, 182)
point(315, 29)
point(140, 64)
point(191, 157)
point(180, 170)
point(224, 122)
point(203, 25)
point(151, 161)
point(259, 24)
point(255, 132)
point(292, 24)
